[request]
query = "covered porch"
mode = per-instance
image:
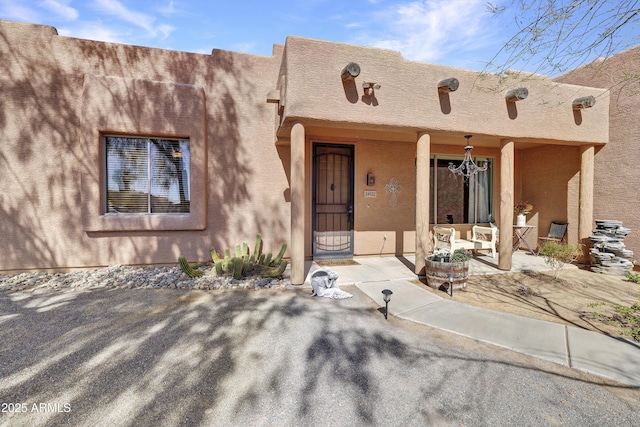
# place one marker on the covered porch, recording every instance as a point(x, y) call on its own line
point(556, 178)
point(395, 120)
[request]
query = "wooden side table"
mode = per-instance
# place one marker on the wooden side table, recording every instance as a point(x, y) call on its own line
point(520, 232)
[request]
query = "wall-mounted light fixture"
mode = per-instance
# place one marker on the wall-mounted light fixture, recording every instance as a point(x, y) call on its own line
point(369, 88)
point(515, 95)
point(350, 72)
point(371, 179)
point(584, 102)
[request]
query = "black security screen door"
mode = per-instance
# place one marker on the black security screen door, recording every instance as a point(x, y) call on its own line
point(332, 201)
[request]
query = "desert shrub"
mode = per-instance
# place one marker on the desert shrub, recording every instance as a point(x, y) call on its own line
point(629, 316)
point(557, 255)
point(633, 277)
point(626, 317)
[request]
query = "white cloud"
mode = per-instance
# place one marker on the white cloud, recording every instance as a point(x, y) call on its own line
point(165, 29)
point(92, 31)
point(169, 9)
point(61, 9)
point(117, 9)
point(142, 20)
point(19, 12)
point(429, 30)
point(246, 47)
point(355, 25)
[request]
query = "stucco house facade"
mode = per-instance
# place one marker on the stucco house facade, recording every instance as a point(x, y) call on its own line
point(117, 154)
point(617, 182)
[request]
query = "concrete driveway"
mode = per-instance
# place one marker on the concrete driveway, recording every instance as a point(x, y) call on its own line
point(269, 357)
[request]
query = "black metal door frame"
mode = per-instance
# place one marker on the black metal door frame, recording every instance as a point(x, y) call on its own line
point(332, 223)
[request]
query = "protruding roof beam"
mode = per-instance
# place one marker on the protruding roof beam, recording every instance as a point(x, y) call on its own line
point(515, 95)
point(584, 102)
point(350, 72)
point(448, 85)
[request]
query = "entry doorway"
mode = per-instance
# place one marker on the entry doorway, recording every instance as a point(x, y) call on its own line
point(333, 169)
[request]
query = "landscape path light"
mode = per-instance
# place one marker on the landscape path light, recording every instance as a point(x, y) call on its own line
point(387, 297)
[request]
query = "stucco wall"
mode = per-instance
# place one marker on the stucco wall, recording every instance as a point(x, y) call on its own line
point(379, 226)
point(408, 97)
point(616, 177)
point(549, 179)
point(59, 95)
point(47, 152)
point(548, 176)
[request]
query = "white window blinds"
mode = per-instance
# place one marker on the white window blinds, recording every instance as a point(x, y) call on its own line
point(147, 175)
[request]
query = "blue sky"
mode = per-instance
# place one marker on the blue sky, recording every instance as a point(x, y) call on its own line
point(459, 33)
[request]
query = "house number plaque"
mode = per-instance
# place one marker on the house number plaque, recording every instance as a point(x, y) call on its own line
point(370, 194)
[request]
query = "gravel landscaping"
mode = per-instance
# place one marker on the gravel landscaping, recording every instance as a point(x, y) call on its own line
point(127, 277)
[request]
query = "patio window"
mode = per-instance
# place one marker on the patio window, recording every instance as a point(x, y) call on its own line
point(459, 201)
point(147, 175)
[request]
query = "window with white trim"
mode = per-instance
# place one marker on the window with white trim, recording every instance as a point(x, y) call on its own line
point(147, 175)
point(456, 200)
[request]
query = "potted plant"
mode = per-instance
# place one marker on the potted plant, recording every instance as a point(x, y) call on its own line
point(460, 255)
point(441, 255)
point(443, 266)
point(521, 210)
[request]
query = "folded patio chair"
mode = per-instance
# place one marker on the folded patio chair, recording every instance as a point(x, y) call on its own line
point(557, 231)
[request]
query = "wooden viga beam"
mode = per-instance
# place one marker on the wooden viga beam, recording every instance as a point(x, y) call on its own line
point(350, 72)
point(518, 94)
point(448, 85)
point(584, 102)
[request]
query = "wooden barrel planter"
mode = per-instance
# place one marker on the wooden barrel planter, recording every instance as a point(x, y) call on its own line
point(438, 273)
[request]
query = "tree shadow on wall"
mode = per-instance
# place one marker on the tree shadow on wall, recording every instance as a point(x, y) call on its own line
point(45, 157)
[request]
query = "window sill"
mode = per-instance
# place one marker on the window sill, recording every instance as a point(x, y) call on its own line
point(145, 222)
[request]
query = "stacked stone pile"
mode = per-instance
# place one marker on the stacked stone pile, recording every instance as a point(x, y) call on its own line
point(608, 253)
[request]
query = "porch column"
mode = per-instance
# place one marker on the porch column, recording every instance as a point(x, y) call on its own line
point(297, 203)
point(422, 200)
point(507, 182)
point(587, 155)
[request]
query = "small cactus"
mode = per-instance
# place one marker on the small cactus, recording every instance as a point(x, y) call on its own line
point(257, 250)
point(214, 256)
point(237, 267)
point(280, 255)
point(188, 269)
point(275, 271)
point(219, 268)
point(244, 262)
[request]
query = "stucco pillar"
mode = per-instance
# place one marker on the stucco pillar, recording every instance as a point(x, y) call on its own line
point(587, 156)
point(507, 182)
point(422, 200)
point(297, 203)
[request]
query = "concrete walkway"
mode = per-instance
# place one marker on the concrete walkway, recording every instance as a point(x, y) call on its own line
point(587, 351)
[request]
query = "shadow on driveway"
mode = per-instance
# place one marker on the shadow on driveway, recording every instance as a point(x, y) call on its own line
point(268, 357)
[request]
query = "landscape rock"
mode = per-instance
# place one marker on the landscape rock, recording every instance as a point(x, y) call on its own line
point(128, 277)
point(608, 252)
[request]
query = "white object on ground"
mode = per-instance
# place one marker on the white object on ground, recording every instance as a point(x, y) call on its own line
point(324, 284)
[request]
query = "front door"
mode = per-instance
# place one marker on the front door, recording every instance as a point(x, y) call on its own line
point(332, 201)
